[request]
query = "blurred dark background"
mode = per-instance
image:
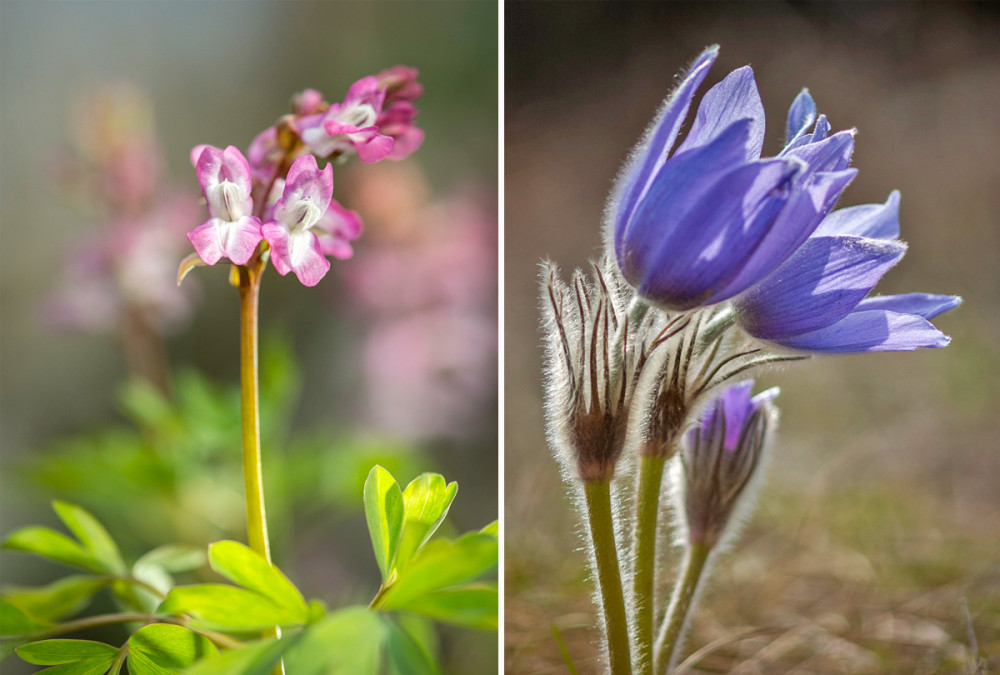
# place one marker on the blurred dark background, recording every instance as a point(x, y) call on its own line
point(882, 508)
point(395, 349)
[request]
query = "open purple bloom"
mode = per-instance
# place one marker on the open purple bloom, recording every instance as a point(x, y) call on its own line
point(700, 223)
point(304, 201)
point(816, 300)
point(721, 459)
point(231, 231)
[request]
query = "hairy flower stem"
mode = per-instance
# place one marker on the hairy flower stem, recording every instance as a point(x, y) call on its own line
point(680, 606)
point(253, 477)
point(609, 580)
point(644, 558)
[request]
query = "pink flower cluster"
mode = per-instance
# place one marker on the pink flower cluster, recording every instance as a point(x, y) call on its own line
point(295, 212)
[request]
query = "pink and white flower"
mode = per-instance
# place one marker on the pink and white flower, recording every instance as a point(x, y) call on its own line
point(231, 230)
point(349, 126)
point(304, 202)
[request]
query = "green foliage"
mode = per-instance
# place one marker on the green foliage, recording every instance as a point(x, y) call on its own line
point(175, 456)
point(422, 577)
point(78, 657)
point(429, 578)
point(163, 648)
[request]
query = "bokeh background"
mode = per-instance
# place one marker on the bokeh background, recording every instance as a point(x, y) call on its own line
point(882, 509)
point(392, 358)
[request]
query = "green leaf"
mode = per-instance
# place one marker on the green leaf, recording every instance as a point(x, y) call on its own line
point(91, 534)
point(347, 642)
point(255, 658)
point(85, 667)
point(425, 504)
point(492, 529)
point(443, 563)
point(55, 652)
point(173, 558)
point(404, 656)
point(249, 569)
point(472, 606)
point(13, 621)
point(48, 543)
point(227, 608)
point(161, 648)
point(59, 599)
point(384, 513)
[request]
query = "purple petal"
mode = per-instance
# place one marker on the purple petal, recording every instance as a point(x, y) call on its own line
point(797, 221)
point(879, 221)
point(871, 331)
point(677, 186)
point(830, 154)
point(656, 144)
point(734, 98)
point(801, 114)
point(717, 234)
point(817, 286)
point(922, 304)
point(735, 402)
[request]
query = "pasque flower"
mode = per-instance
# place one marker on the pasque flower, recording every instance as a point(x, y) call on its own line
point(701, 223)
point(816, 300)
point(721, 460)
point(231, 230)
point(710, 221)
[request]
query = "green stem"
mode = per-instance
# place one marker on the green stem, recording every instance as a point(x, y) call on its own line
point(647, 510)
point(253, 480)
point(680, 605)
point(602, 532)
point(253, 477)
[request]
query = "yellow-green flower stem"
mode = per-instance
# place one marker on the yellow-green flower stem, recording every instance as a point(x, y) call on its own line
point(644, 559)
point(680, 605)
point(609, 580)
point(249, 276)
point(253, 480)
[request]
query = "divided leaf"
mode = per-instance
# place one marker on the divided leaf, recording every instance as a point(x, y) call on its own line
point(161, 649)
point(74, 657)
point(254, 658)
point(173, 558)
point(384, 513)
point(228, 608)
point(95, 551)
point(13, 621)
point(241, 565)
point(472, 605)
point(48, 543)
point(57, 600)
point(425, 504)
point(443, 563)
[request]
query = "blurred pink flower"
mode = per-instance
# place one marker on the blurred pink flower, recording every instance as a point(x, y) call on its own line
point(427, 285)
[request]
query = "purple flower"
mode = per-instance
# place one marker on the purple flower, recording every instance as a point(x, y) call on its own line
point(700, 223)
point(816, 300)
point(231, 231)
point(349, 126)
point(722, 457)
point(303, 204)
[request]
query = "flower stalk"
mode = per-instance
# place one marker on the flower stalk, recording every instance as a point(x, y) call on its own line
point(681, 602)
point(644, 574)
point(609, 581)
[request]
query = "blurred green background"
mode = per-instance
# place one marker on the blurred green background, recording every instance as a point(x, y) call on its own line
point(350, 370)
point(882, 508)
